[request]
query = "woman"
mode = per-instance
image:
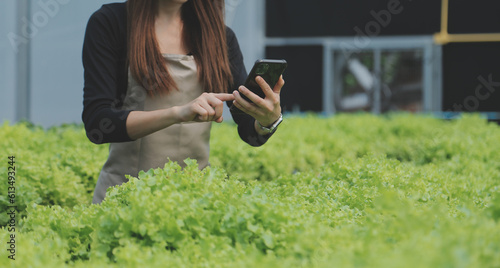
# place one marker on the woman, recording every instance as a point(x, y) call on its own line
point(157, 73)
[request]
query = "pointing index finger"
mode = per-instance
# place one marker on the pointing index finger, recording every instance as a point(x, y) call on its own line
point(224, 96)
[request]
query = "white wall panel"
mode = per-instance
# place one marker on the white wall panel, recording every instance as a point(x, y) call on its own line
point(7, 61)
point(57, 72)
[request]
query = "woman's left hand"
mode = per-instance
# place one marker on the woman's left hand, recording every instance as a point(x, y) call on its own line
point(266, 111)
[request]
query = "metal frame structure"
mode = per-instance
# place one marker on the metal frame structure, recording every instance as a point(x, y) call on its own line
point(432, 71)
point(431, 46)
point(23, 70)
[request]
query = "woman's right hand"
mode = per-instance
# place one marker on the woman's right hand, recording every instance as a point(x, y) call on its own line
point(206, 108)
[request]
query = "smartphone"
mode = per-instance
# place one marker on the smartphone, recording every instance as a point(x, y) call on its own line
point(270, 70)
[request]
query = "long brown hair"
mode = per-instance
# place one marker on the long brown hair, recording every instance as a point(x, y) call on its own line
point(204, 35)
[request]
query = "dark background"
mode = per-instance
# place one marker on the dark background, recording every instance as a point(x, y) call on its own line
point(463, 63)
point(292, 18)
point(478, 16)
point(305, 75)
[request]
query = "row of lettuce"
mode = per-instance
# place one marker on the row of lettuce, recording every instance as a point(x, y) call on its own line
point(346, 191)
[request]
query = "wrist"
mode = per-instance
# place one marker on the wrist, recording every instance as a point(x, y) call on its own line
point(269, 121)
point(175, 112)
point(270, 128)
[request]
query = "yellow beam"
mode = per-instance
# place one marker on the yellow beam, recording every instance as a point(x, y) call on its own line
point(444, 37)
point(463, 38)
point(444, 16)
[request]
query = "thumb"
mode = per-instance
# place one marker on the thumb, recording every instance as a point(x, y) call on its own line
point(219, 120)
point(277, 88)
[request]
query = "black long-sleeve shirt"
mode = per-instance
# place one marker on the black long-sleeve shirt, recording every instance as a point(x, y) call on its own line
point(106, 76)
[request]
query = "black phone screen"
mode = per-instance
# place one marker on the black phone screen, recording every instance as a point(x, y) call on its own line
point(269, 70)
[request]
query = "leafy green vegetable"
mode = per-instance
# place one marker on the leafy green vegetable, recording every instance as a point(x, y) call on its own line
point(345, 191)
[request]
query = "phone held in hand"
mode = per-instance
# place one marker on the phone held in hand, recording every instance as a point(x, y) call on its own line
point(270, 70)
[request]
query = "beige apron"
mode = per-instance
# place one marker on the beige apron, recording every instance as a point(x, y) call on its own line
point(177, 142)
